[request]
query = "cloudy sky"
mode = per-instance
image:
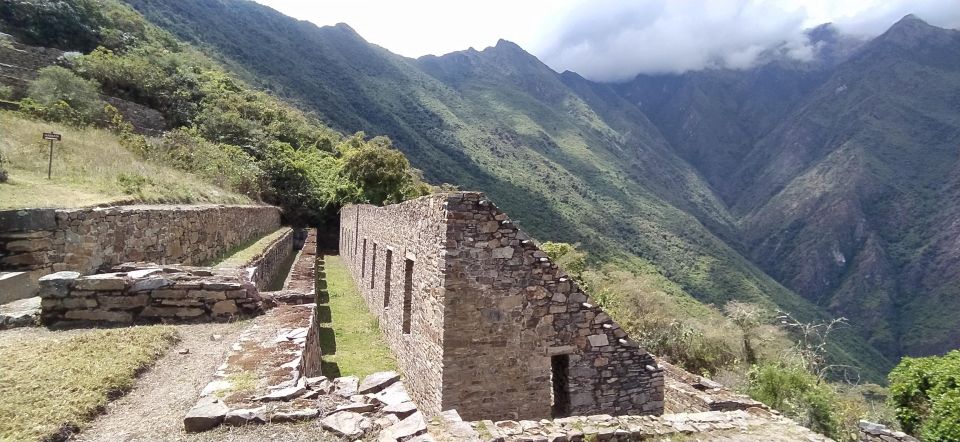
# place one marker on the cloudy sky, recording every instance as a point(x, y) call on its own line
point(615, 39)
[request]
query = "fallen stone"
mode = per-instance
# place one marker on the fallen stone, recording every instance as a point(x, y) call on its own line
point(414, 425)
point(284, 394)
point(401, 410)
point(394, 394)
point(20, 313)
point(346, 386)
point(303, 414)
point(377, 382)
point(215, 386)
point(246, 416)
point(356, 408)
point(345, 424)
point(206, 414)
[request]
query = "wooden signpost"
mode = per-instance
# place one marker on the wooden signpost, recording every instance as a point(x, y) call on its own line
point(52, 137)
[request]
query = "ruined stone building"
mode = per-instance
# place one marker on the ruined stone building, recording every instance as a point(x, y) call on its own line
point(482, 321)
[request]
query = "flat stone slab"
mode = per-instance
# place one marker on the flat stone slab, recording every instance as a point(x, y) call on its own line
point(21, 313)
point(346, 424)
point(392, 395)
point(207, 414)
point(413, 425)
point(377, 382)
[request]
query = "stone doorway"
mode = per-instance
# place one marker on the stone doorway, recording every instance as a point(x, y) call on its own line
point(559, 376)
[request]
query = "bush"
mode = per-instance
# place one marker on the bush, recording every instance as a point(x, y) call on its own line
point(381, 172)
point(794, 391)
point(6, 92)
point(925, 393)
point(60, 95)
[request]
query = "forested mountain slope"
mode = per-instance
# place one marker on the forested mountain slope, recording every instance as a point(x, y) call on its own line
point(843, 177)
point(572, 160)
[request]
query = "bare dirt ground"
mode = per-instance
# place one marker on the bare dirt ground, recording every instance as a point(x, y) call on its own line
point(154, 409)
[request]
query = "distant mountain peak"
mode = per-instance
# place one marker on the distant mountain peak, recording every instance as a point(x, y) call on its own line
point(911, 31)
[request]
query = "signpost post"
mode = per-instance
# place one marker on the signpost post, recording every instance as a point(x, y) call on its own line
point(52, 137)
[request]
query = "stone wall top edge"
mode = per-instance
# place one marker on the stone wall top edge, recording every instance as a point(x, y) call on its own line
point(168, 207)
point(435, 196)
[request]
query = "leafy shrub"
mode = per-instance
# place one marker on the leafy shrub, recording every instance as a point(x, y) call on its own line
point(227, 166)
point(60, 95)
point(925, 393)
point(794, 391)
point(6, 92)
point(131, 183)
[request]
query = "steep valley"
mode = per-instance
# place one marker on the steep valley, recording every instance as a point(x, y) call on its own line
point(835, 177)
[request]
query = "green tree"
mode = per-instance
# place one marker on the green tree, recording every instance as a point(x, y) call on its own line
point(382, 173)
point(925, 392)
point(56, 86)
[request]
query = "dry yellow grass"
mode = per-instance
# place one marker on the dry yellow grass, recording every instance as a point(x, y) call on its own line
point(55, 385)
point(90, 167)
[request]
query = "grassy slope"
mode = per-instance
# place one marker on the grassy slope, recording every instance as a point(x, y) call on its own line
point(359, 347)
point(90, 167)
point(56, 384)
point(501, 122)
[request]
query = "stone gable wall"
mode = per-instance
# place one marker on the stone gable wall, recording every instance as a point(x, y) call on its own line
point(91, 239)
point(498, 312)
point(416, 231)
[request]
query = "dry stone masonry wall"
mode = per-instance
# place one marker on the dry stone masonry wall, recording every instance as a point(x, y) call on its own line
point(146, 293)
point(92, 239)
point(482, 321)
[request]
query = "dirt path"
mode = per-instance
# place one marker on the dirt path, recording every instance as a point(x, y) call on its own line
point(154, 409)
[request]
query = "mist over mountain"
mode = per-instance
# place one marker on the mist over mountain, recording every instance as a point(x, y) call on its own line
point(821, 182)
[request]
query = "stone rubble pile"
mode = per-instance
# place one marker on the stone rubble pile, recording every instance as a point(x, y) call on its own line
point(147, 292)
point(754, 424)
point(345, 407)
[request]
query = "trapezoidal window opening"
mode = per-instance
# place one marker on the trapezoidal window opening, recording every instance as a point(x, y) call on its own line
point(363, 260)
point(407, 294)
point(373, 267)
point(387, 270)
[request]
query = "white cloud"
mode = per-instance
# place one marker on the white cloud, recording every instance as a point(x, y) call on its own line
point(616, 39)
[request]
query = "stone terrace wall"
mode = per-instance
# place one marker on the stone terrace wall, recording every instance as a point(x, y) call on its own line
point(266, 264)
point(414, 231)
point(144, 293)
point(490, 315)
point(871, 432)
point(91, 239)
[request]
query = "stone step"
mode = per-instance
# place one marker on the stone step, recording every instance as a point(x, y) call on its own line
point(20, 313)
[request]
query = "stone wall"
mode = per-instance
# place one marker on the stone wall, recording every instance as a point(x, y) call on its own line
point(494, 324)
point(91, 239)
point(145, 293)
point(265, 266)
point(414, 231)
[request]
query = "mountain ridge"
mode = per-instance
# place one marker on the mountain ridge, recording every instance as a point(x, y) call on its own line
point(642, 169)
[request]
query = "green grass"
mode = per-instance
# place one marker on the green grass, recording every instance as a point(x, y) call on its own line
point(55, 385)
point(360, 348)
point(90, 167)
point(242, 254)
